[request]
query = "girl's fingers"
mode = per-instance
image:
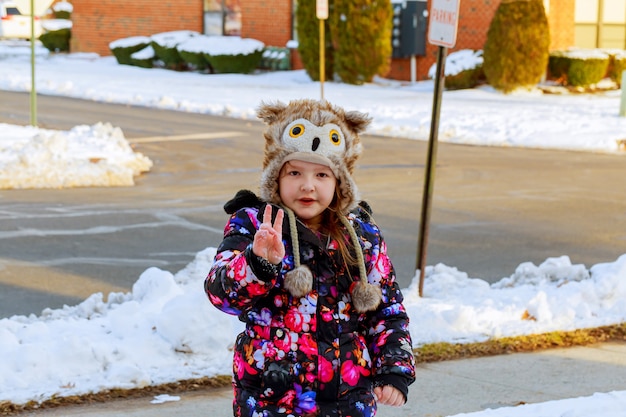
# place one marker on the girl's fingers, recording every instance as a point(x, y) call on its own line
point(278, 222)
point(267, 215)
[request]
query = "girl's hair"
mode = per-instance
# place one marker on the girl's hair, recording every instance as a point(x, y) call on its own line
point(335, 229)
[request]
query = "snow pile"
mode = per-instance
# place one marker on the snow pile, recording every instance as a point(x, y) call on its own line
point(85, 156)
point(166, 330)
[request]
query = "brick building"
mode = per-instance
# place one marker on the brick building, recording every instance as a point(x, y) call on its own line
point(98, 22)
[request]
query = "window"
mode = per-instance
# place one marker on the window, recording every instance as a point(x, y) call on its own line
point(222, 17)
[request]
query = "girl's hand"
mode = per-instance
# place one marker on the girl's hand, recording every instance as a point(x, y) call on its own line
point(389, 395)
point(268, 240)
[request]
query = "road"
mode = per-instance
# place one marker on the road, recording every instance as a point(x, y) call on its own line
point(493, 208)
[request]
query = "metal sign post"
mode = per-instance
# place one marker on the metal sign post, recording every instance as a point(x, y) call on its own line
point(321, 11)
point(442, 32)
point(33, 91)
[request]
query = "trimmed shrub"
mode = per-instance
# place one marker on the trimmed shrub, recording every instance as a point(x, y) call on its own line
point(518, 40)
point(123, 48)
point(165, 44)
point(465, 79)
point(463, 69)
point(57, 40)
point(558, 64)
point(617, 65)
point(245, 57)
point(584, 72)
point(240, 63)
point(192, 51)
point(62, 10)
point(308, 30)
point(361, 39)
point(578, 67)
point(143, 58)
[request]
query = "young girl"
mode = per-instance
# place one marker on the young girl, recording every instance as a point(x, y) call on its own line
point(306, 269)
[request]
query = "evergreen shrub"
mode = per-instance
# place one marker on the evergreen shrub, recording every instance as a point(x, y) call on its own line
point(617, 65)
point(57, 40)
point(239, 63)
point(165, 47)
point(143, 58)
point(517, 48)
point(361, 39)
point(245, 57)
point(308, 30)
point(578, 67)
point(122, 49)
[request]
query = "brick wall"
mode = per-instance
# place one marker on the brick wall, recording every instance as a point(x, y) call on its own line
point(474, 19)
point(96, 23)
point(267, 20)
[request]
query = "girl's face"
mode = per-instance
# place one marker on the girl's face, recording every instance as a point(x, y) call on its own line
point(307, 189)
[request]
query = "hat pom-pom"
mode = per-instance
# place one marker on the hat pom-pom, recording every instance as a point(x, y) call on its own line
point(365, 296)
point(299, 281)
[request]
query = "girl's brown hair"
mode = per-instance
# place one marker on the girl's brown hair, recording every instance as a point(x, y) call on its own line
point(335, 229)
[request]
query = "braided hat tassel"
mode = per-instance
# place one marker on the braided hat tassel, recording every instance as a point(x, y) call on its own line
point(365, 296)
point(298, 281)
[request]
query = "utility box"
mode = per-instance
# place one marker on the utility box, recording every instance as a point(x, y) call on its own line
point(408, 34)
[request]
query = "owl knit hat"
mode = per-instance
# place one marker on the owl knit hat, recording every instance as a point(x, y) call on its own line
point(318, 132)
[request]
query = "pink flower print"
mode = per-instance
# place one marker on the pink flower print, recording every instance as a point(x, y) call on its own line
point(307, 344)
point(382, 339)
point(327, 314)
point(256, 288)
point(351, 373)
point(294, 320)
point(326, 372)
point(383, 265)
point(287, 400)
point(241, 367)
point(287, 343)
point(262, 331)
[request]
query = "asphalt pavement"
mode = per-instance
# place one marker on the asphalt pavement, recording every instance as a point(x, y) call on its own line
point(441, 388)
point(493, 208)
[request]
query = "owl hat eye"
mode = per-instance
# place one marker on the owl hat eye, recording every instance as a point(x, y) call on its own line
point(324, 145)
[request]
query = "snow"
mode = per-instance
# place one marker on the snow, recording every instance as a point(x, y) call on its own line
point(166, 330)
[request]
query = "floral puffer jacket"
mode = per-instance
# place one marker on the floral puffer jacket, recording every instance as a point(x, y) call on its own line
point(314, 355)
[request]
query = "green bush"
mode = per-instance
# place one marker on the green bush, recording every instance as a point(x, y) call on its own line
point(123, 48)
point(558, 64)
point(584, 72)
point(469, 78)
point(143, 58)
point(192, 50)
point(247, 60)
point(57, 40)
point(464, 69)
point(308, 30)
point(240, 63)
point(578, 67)
point(194, 59)
point(165, 47)
point(361, 38)
point(518, 40)
point(617, 65)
